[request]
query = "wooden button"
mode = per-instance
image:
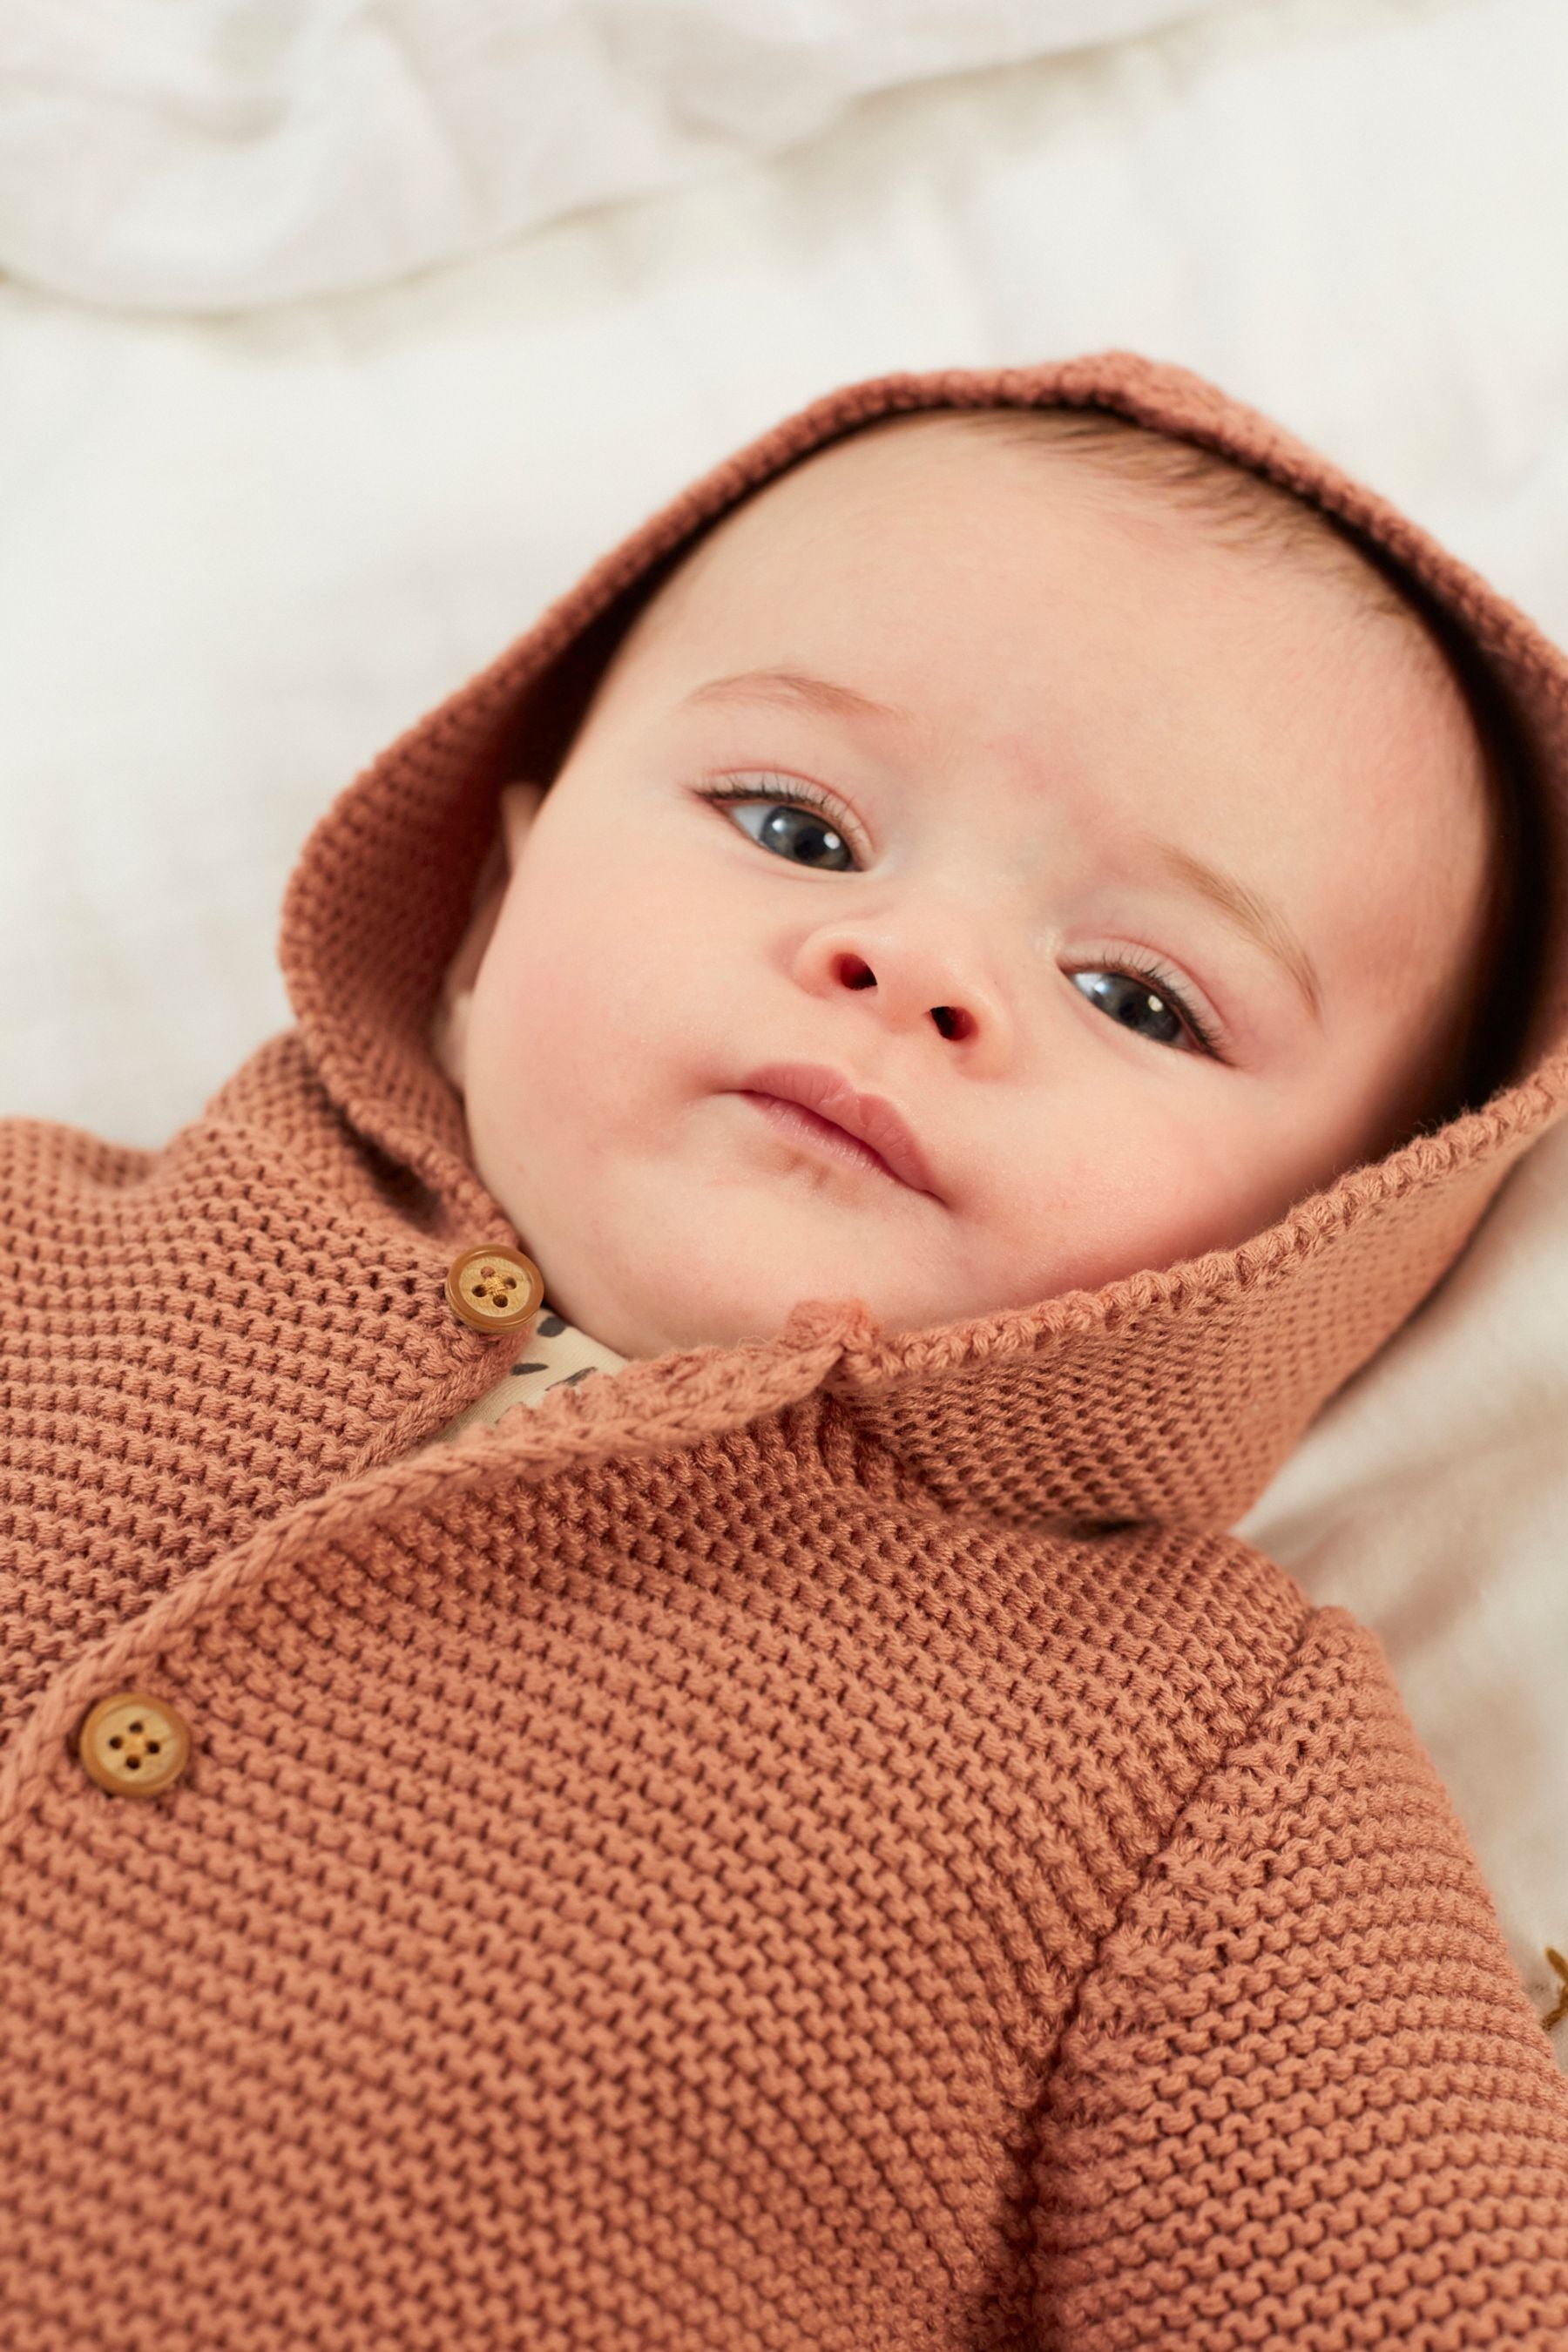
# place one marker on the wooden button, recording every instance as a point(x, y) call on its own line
point(132, 1744)
point(494, 1289)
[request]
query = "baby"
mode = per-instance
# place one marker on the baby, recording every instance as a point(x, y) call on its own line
point(1149, 826)
point(631, 1718)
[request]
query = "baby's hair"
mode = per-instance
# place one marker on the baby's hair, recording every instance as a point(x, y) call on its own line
point(1243, 509)
point(1239, 508)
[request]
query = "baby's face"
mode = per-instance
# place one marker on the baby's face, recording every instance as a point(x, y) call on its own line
point(1070, 676)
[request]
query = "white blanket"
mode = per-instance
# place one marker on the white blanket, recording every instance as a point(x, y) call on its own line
point(222, 153)
point(239, 553)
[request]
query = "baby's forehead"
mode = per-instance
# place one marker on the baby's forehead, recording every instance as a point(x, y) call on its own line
point(1133, 472)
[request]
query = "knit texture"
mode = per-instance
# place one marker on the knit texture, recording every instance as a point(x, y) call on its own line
point(819, 1844)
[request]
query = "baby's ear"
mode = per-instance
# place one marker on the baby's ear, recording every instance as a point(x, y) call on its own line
point(449, 1029)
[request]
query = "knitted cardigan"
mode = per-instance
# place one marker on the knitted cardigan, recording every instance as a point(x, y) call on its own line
point(820, 1844)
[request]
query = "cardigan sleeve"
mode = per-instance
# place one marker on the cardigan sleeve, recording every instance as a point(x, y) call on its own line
point(1303, 2099)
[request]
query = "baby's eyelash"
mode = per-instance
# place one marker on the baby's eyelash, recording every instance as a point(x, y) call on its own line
point(799, 793)
point(802, 795)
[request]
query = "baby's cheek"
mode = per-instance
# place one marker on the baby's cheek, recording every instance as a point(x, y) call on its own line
point(530, 973)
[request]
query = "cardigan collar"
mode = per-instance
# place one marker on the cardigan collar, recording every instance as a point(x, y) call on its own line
point(1172, 1393)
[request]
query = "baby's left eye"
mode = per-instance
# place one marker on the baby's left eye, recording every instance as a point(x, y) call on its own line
point(1128, 997)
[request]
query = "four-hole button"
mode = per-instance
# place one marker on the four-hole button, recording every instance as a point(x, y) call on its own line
point(494, 1290)
point(133, 1745)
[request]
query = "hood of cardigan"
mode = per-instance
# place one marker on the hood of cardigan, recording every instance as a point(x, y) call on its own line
point(1172, 1393)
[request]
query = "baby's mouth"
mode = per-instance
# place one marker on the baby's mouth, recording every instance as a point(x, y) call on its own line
point(835, 1107)
point(808, 1127)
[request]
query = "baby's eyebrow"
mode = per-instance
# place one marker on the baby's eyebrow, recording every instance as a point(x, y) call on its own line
point(1240, 905)
point(1246, 912)
point(799, 686)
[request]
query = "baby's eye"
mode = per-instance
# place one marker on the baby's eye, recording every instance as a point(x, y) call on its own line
point(804, 818)
point(1129, 998)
